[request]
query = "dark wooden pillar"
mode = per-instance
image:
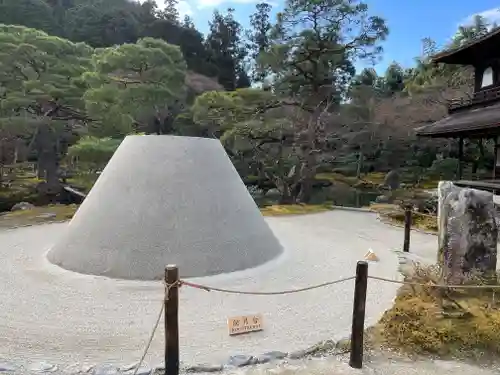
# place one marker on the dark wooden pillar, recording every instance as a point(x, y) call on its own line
point(460, 157)
point(496, 161)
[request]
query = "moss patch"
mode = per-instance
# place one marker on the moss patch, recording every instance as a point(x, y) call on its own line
point(59, 212)
point(22, 189)
point(294, 209)
point(394, 214)
point(424, 320)
point(428, 184)
point(38, 215)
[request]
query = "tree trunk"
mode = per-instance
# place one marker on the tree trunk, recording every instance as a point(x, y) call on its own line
point(286, 192)
point(286, 197)
point(1, 162)
point(475, 165)
point(307, 180)
point(360, 165)
point(48, 158)
point(16, 152)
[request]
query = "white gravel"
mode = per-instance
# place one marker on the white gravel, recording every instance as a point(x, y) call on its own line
point(49, 314)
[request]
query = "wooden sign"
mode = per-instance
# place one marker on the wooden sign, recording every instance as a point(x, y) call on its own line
point(370, 255)
point(244, 324)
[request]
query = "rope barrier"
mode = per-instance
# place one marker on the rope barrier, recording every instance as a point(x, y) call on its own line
point(329, 283)
point(155, 327)
point(289, 291)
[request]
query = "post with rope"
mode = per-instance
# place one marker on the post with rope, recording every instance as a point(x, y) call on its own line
point(171, 320)
point(358, 315)
point(408, 222)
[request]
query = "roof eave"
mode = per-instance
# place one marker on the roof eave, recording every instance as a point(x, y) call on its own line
point(442, 57)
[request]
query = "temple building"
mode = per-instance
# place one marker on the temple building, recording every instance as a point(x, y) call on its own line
point(478, 115)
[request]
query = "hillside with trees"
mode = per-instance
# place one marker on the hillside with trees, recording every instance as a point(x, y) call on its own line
point(283, 97)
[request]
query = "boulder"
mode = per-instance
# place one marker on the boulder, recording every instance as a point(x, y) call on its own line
point(392, 180)
point(383, 199)
point(22, 206)
point(467, 233)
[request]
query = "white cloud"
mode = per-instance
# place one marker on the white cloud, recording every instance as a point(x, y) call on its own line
point(184, 8)
point(491, 15)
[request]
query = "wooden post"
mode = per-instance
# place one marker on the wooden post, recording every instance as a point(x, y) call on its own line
point(171, 320)
point(408, 222)
point(358, 315)
point(496, 156)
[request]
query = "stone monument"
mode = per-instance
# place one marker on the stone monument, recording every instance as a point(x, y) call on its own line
point(166, 200)
point(392, 180)
point(467, 233)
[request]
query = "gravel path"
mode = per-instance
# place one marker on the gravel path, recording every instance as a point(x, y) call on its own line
point(61, 317)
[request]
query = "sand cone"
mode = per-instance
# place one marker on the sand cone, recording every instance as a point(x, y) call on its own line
point(371, 256)
point(137, 217)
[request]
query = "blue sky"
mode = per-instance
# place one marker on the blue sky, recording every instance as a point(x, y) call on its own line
point(409, 21)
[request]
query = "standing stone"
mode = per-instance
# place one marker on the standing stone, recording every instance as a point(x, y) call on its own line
point(392, 180)
point(467, 233)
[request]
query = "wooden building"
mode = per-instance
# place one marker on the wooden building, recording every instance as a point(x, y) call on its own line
point(476, 116)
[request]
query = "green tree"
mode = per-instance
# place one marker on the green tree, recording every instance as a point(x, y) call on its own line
point(135, 87)
point(467, 33)
point(429, 77)
point(100, 25)
point(35, 14)
point(258, 36)
point(313, 49)
point(42, 92)
point(171, 12)
point(226, 50)
point(91, 153)
point(394, 78)
point(315, 44)
point(261, 139)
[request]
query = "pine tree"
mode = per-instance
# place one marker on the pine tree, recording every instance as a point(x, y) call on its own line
point(187, 22)
point(258, 37)
point(171, 11)
point(225, 48)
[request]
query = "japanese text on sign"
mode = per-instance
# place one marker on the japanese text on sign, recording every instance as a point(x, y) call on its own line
point(244, 324)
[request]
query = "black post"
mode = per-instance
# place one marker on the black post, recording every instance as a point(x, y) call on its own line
point(358, 315)
point(408, 222)
point(172, 320)
point(460, 157)
point(495, 164)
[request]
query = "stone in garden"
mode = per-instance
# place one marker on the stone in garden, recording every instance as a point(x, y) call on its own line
point(391, 180)
point(204, 368)
point(166, 200)
point(43, 367)
point(7, 367)
point(106, 369)
point(22, 206)
point(382, 199)
point(270, 356)
point(298, 354)
point(467, 233)
point(241, 360)
point(343, 345)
